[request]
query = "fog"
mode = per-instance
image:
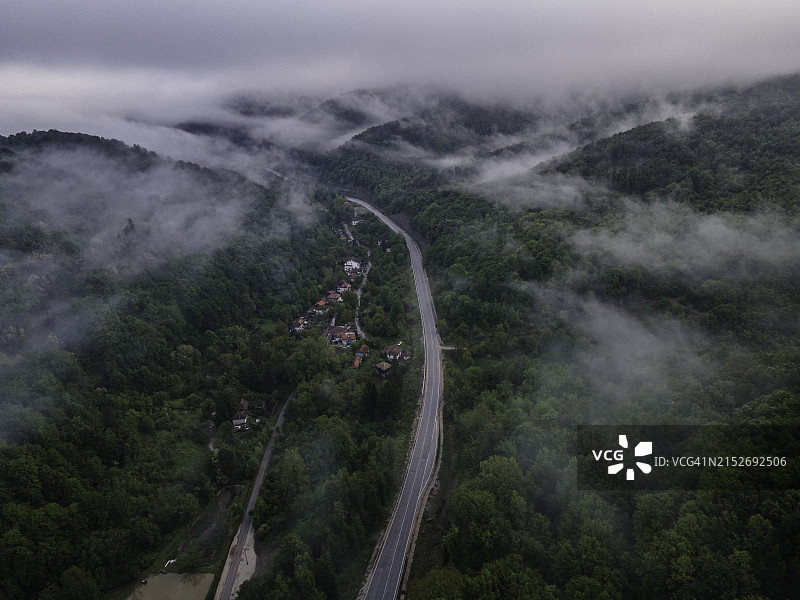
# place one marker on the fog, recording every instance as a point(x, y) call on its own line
point(276, 77)
point(120, 215)
point(627, 364)
point(519, 46)
point(672, 241)
point(516, 176)
point(92, 196)
point(128, 71)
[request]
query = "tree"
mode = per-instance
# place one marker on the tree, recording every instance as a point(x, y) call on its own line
point(312, 357)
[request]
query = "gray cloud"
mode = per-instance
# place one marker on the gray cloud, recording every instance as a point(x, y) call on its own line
point(71, 63)
point(624, 361)
point(92, 196)
point(672, 240)
point(359, 41)
point(120, 218)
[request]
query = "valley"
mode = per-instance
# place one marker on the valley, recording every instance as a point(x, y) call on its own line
point(618, 261)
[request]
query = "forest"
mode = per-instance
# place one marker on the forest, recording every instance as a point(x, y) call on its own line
point(664, 291)
point(122, 362)
point(649, 274)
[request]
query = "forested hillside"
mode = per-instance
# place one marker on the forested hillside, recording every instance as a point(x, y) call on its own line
point(738, 158)
point(630, 261)
point(650, 277)
point(143, 300)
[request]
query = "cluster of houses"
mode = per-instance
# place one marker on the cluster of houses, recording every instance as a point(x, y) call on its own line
point(246, 410)
point(392, 353)
point(322, 305)
point(341, 335)
point(381, 368)
point(352, 269)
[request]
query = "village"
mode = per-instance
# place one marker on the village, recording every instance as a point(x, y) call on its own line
point(341, 336)
point(347, 334)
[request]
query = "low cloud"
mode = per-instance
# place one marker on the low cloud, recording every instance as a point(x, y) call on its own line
point(671, 240)
point(517, 175)
point(551, 191)
point(87, 67)
point(92, 196)
point(520, 48)
point(99, 218)
point(620, 362)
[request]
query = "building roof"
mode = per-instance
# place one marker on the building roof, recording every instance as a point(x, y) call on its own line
point(356, 362)
point(383, 366)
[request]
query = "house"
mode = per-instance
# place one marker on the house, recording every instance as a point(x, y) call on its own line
point(356, 362)
point(299, 324)
point(362, 351)
point(334, 334)
point(348, 338)
point(320, 307)
point(343, 287)
point(382, 369)
point(240, 419)
point(333, 297)
point(352, 266)
point(257, 405)
point(393, 353)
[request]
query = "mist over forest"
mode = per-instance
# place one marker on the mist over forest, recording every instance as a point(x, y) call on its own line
point(624, 257)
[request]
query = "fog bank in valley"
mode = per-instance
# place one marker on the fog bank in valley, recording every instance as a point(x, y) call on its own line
point(671, 240)
point(77, 219)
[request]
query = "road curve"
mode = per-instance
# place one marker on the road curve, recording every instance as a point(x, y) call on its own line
point(385, 578)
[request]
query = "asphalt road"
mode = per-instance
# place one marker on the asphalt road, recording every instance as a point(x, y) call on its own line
point(384, 581)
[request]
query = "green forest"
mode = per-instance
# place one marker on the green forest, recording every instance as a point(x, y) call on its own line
point(651, 276)
point(681, 257)
point(105, 431)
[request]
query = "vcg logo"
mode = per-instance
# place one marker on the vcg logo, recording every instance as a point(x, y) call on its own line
point(618, 457)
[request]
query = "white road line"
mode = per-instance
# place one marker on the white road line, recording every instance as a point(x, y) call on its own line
point(426, 442)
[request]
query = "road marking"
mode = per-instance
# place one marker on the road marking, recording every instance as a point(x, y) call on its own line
point(426, 442)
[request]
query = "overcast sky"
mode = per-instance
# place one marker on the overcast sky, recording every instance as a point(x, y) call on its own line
point(76, 62)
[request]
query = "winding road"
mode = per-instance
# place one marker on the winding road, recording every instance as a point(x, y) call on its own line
point(383, 582)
